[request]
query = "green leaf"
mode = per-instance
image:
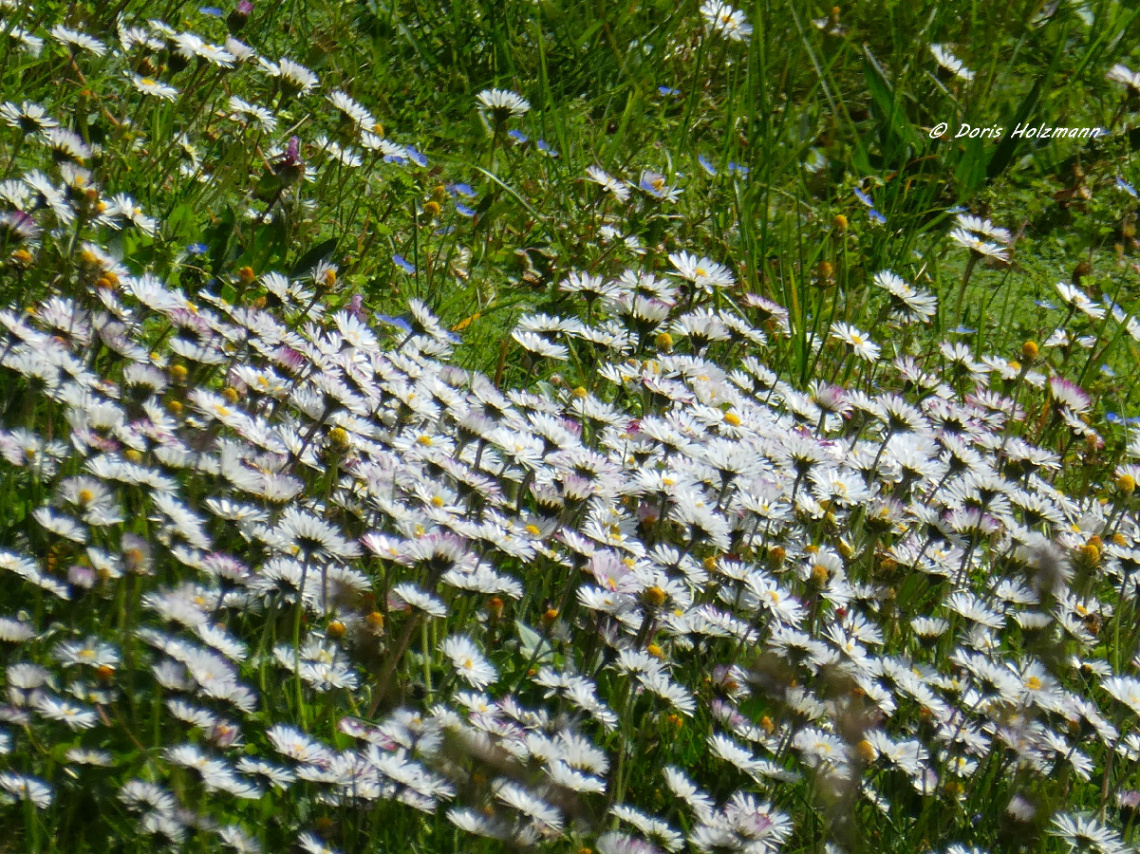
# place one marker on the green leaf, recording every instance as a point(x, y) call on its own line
point(533, 645)
point(313, 257)
point(896, 127)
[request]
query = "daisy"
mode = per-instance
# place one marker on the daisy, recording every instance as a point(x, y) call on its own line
point(1085, 833)
point(469, 662)
point(947, 60)
point(608, 183)
point(1123, 74)
point(654, 184)
point(859, 342)
point(75, 39)
point(352, 111)
point(25, 788)
point(150, 86)
point(907, 303)
point(295, 78)
point(723, 20)
point(503, 104)
point(535, 343)
point(312, 844)
point(27, 116)
point(516, 796)
point(703, 273)
point(75, 716)
point(1124, 689)
point(25, 41)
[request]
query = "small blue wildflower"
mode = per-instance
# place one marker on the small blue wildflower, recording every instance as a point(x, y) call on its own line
point(1044, 303)
point(545, 148)
point(212, 11)
point(461, 190)
point(1117, 418)
point(518, 136)
point(863, 197)
point(706, 165)
point(1107, 371)
point(668, 91)
point(444, 231)
point(957, 209)
point(1126, 187)
point(197, 249)
point(964, 330)
point(416, 157)
point(399, 322)
point(876, 216)
point(737, 169)
point(464, 210)
point(402, 262)
point(395, 158)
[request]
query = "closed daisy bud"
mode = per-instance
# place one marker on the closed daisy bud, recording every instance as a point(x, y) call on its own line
point(1119, 539)
point(431, 209)
point(178, 373)
point(21, 258)
point(339, 437)
point(336, 629)
point(174, 407)
point(133, 455)
point(664, 341)
point(1088, 554)
point(105, 673)
point(495, 607)
point(839, 222)
point(1029, 351)
point(230, 394)
point(767, 725)
point(819, 574)
point(375, 621)
point(776, 556)
point(550, 615)
point(709, 563)
point(865, 751)
point(654, 650)
point(580, 392)
point(246, 275)
point(438, 193)
point(675, 720)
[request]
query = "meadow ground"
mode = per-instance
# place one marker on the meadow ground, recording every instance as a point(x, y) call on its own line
point(622, 427)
